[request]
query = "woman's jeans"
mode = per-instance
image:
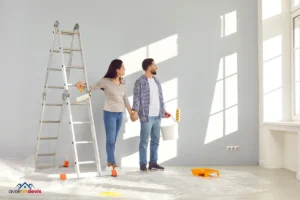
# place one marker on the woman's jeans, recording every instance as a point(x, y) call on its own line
point(112, 123)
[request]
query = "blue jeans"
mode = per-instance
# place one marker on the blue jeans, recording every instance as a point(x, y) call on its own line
point(112, 123)
point(152, 128)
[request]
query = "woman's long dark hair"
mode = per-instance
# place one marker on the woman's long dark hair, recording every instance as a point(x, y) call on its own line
point(112, 69)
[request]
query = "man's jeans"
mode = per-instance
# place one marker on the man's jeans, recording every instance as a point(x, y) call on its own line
point(112, 123)
point(152, 128)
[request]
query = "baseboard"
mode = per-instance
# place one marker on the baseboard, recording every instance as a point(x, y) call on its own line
point(268, 166)
point(261, 163)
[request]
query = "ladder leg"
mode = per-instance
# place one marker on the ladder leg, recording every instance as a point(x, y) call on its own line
point(63, 102)
point(96, 151)
point(69, 108)
point(44, 97)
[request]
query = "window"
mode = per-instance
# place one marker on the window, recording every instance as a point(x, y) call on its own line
point(295, 4)
point(296, 65)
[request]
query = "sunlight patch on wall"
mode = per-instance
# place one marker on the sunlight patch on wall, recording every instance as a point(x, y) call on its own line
point(218, 99)
point(168, 149)
point(270, 8)
point(132, 129)
point(164, 49)
point(215, 128)
point(231, 116)
point(273, 105)
point(228, 24)
point(133, 60)
point(223, 118)
point(272, 79)
point(272, 48)
point(160, 51)
point(231, 92)
point(131, 160)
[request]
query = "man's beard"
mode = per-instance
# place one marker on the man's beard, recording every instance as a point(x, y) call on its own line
point(153, 72)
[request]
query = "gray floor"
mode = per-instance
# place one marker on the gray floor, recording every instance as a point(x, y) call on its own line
point(234, 183)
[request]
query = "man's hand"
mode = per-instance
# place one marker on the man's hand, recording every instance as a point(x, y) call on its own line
point(167, 115)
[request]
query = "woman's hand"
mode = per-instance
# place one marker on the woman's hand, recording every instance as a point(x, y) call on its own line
point(80, 85)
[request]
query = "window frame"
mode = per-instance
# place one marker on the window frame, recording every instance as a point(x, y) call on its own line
point(294, 116)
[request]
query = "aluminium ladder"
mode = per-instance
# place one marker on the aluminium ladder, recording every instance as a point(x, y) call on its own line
point(65, 70)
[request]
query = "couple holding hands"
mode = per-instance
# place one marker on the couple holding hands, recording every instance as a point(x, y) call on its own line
point(148, 106)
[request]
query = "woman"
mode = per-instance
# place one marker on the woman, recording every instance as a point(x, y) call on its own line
point(115, 101)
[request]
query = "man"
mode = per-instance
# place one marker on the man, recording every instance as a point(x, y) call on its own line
point(148, 105)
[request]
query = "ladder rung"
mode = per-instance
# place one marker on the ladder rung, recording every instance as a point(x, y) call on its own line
point(52, 104)
point(49, 121)
point(70, 84)
point(74, 67)
point(58, 51)
point(87, 162)
point(68, 49)
point(46, 154)
point(54, 69)
point(48, 138)
point(79, 104)
point(56, 87)
point(84, 142)
point(68, 32)
point(81, 122)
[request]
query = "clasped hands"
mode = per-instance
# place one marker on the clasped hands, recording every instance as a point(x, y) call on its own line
point(134, 116)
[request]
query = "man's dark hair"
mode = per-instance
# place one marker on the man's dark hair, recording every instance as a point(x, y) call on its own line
point(146, 63)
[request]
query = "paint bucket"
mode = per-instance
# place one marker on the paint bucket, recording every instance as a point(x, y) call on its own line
point(170, 131)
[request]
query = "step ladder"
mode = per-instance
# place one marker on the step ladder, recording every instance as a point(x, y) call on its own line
point(66, 103)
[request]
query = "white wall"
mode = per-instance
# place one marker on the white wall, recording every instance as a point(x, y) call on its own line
point(192, 42)
point(275, 76)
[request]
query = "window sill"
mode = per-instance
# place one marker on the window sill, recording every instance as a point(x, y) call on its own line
point(297, 124)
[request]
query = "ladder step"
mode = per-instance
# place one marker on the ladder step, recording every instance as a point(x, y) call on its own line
point(58, 51)
point(68, 49)
point(74, 67)
point(46, 154)
point(79, 104)
point(54, 69)
point(85, 142)
point(49, 121)
point(87, 162)
point(81, 122)
point(55, 87)
point(68, 32)
point(48, 138)
point(52, 104)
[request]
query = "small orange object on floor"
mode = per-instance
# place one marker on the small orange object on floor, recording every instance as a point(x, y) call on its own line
point(204, 172)
point(63, 177)
point(66, 164)
point(114, 173)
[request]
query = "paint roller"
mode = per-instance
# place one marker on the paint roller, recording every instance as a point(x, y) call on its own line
point(82, 97)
